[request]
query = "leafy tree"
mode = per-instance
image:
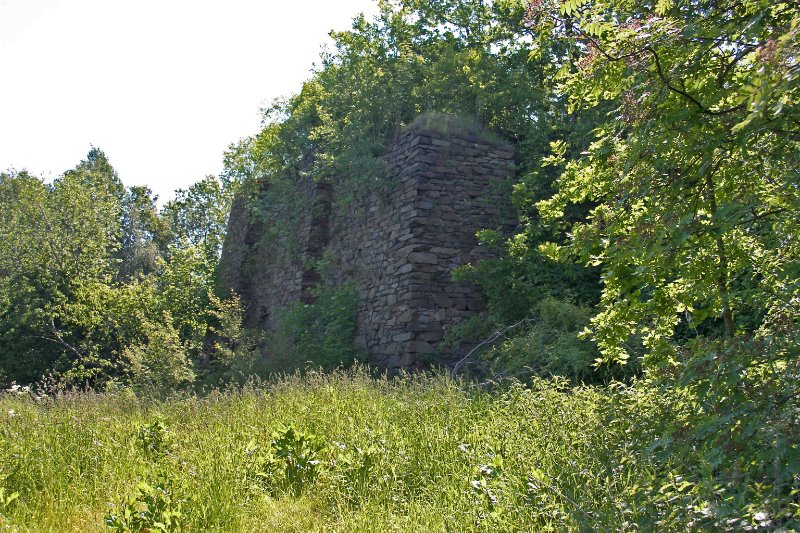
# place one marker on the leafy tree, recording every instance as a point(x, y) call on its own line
point(467, 58)
point(144, 234)
point(694, 181)
point(184, 287)
point(96, 172)
point(694, 175)
point(198, 215)
point(22, 199)
point(88, 269)
point(61, 241)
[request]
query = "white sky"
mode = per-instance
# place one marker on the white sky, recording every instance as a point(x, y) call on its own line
point(161, 86)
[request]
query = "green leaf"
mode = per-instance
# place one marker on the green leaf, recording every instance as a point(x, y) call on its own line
point(663, 6)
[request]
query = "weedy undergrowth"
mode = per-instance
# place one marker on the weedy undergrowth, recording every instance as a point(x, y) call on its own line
point(153, 439)
point(351, 452)
point(292, 463)
point(6, 500)
point(151, 508)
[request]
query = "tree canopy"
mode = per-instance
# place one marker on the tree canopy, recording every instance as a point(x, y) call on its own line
point(694, 175)
point(89, 267)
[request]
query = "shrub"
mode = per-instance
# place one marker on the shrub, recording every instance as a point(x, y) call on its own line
point(293, 461)
point(232, 352)
point(153, 439)
point(150, 508)
point(160, 364)
point(551, 346)
point(318, 335)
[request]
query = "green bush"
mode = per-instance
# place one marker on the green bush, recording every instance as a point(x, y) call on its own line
point(233, 352)
point(317, 335)
point(153, 438)
point(551, 346)
point(721, 420)
point(293, 461)
point(536, 307)
point(161, 364)
point(151, 509)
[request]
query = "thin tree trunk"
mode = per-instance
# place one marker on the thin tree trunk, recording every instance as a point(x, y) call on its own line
point(722, 275)
point(722, 286)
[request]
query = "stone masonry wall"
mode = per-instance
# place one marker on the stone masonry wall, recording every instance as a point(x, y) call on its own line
point(398, 248)
point(402, 253)
point(272, 273)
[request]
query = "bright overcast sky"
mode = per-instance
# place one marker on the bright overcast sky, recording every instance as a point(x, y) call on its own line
point(161, 86)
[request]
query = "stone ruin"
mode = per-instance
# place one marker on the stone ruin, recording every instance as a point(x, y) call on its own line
point(397, 247)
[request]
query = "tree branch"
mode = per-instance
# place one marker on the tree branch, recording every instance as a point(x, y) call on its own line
point(491, 338)
point(703, 109)
point(667, 83)
point(60, 340)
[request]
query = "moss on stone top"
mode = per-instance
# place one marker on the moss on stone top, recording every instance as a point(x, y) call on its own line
point(448, 126)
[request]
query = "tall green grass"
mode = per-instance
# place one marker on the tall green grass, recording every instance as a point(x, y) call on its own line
point(338, 452)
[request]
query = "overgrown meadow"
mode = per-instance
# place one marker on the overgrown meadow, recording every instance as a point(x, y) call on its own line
point(351, 452)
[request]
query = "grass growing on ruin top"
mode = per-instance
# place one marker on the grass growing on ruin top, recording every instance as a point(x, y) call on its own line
point(342, 452)
point(449, 126)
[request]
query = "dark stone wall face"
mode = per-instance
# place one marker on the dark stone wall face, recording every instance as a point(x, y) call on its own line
point(268, 274)
point(398, 247)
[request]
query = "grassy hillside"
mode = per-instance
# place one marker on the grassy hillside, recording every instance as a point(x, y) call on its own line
point(343, 452)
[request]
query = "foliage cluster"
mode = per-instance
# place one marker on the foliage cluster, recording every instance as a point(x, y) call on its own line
point(292, 463)
point(537, 305)
point(149, 509)
point(468, 58)
point(694, 177)
point(549, 345)
point(318, 335)
point(97, 284)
